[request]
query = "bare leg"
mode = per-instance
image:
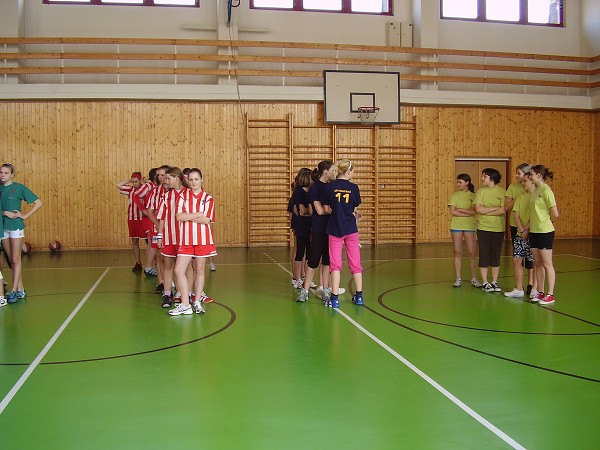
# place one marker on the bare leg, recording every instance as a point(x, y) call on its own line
point(495, 273)
point(546, 257)
point(15, 245)
point(538, 268)
point(168, 264)
point(335, 282)
point(135, 244)
point(471, 244)
point(181, 267)
point(199, 276)
point(457, 238)
point(518, 266)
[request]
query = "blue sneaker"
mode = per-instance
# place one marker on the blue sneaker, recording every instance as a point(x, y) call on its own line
point(357, 299)
point(12, 297)
point(21, 294)
point(334, 301)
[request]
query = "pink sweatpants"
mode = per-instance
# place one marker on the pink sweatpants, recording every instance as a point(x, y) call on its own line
point(352, 252)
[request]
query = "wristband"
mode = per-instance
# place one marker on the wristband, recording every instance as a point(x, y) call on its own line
point(159, 236)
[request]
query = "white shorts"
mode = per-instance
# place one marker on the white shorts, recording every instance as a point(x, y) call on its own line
point(14, 234)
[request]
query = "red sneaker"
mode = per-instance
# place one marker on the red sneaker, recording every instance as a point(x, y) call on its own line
point(205, 298)
point(547, 300)
point(137, 268)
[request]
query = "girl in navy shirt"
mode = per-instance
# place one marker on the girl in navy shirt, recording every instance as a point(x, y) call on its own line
point(343, 197)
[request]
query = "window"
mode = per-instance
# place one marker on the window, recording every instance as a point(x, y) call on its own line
point(383, 7)
point(525, 12)
point(125, 2)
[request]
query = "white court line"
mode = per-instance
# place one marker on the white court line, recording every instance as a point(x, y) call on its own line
point(501, 434)
point(21, 381)
point(510, 441)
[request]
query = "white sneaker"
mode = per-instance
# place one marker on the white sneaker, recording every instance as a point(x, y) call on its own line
point(197, 307)
point(515, 293)
point(341, 291)
point(212, 267)
point(475, 283)
point(2, 301)
point(457, 283)
point(180, 309)
point(302, 296)
point(533, 294)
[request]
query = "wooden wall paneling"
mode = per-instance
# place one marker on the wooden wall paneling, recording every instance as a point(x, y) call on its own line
point(71, 153)
point(269, 150)
point(571, 159)
point(396, 183)
point(596, 193)
point(429, 197)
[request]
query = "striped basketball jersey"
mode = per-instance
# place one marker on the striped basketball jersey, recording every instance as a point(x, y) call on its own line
point(192, 233)
point(166, 212)
point(157, 196)
point(133, 210)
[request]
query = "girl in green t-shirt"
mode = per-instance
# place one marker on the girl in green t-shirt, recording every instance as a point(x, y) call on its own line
point(514, 192)
point(489, 204)
point(463, 226)
point(12, 195)
point(541, 234)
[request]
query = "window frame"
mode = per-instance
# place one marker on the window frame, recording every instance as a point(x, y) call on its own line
point(523, 15)
point(106, 3)
point(346, 8)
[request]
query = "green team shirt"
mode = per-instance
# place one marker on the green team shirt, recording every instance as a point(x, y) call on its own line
point(490, 198)
point(523, 207)
point(515, 190)
point(462, 200)
point(11, 197)
point(541, 203)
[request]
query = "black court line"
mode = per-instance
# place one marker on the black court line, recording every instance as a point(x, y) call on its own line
point(232, 319)
point(464, 347)
point(488, 330)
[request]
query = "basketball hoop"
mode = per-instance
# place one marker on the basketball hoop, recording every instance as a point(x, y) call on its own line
point(367, 114)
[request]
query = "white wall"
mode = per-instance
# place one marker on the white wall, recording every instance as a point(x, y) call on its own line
point(116, 21)
point(458, 34)
point(590, 27)
point(581, 36)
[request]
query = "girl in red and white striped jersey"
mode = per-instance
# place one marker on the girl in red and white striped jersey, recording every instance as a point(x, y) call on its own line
point(133, 188)
point(168, 227)
point(195, 212)
point(155, 194)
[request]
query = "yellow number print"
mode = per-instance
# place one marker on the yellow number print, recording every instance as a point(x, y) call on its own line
point(339, 197)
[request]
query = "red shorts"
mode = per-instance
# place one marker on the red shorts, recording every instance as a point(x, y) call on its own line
point(152, 237)
point(148, 225)
point(169, 251)
point(197, 251)
point(136, 229)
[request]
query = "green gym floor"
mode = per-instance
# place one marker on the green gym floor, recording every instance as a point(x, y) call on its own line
point(91, 361)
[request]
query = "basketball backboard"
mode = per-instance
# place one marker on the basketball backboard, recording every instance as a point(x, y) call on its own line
point(347, 91)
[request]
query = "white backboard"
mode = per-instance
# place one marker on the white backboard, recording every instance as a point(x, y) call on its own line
point(346, 91)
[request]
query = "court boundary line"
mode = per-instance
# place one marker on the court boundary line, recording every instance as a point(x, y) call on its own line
point(463, 406)
point(38, 359)
point(486, 423)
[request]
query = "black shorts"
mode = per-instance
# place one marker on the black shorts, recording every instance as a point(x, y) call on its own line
point(542, 241)
point(490, 247)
